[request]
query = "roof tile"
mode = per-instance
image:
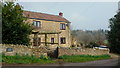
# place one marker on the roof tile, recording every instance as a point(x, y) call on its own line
point(44, 16)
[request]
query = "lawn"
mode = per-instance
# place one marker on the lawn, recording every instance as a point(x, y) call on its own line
point(83, 58)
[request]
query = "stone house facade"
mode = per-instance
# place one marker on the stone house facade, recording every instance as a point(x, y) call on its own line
point(49, 30)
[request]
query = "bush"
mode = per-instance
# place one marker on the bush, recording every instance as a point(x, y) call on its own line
point(91, 45)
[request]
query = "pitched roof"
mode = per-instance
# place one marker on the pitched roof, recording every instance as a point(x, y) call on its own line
point(44, 16)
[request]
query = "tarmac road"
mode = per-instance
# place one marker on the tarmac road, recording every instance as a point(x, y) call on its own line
point(109, 62)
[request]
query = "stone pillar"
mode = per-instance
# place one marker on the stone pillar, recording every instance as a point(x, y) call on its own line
point(45, 39)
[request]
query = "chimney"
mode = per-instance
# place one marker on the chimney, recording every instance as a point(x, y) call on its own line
point(61, 14)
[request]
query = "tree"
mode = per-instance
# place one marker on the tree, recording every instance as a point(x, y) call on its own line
point(14, 29)
point(0, 22)
point(114, 34)
point(88, 36)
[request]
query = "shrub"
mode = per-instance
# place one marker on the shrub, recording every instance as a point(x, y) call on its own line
point(91, 45)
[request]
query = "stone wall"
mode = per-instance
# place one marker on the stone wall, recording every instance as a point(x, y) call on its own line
point(77, 51)
point(10, 49)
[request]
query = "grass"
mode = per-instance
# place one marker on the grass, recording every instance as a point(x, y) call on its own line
point(0, 57)
point(26, 59)
point(118, 66)
point(83, 58)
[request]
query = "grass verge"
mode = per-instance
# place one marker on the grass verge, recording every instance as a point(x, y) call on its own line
point(25, 59)
point(83, 58)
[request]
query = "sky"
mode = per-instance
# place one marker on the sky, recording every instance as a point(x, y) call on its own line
point(82, 15)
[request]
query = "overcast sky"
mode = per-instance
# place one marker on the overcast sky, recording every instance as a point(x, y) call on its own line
point(82, 15)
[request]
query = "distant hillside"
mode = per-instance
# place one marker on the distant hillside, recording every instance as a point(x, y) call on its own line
point(90, 36)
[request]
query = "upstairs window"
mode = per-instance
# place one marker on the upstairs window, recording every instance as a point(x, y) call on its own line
point(52, 40)
point(62, 26)
point(63, 40)
point(37, 23)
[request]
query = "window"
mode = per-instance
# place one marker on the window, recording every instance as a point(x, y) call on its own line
point(52, 40)
point(36, 41)
point(37, 23)
point(9, 49)
point(62, 26)
point(63, 40)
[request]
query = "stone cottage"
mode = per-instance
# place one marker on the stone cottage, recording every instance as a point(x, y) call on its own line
point(49, 30)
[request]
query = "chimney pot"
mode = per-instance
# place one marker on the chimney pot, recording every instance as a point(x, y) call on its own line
point(60, 14)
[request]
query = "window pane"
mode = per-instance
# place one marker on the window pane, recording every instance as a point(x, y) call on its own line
point(52, 40)
point(63, 40)
point(34, 23)
point(38, 24)
point(62, 26)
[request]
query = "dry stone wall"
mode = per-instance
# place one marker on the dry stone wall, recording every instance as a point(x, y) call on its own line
point(10, 49)
point(77, 51)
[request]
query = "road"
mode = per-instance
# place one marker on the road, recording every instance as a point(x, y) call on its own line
point(110, 62)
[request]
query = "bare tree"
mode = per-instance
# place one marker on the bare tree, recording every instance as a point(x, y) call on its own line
point(88, 36)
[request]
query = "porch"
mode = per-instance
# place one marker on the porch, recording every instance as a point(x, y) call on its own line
point(37, 41)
